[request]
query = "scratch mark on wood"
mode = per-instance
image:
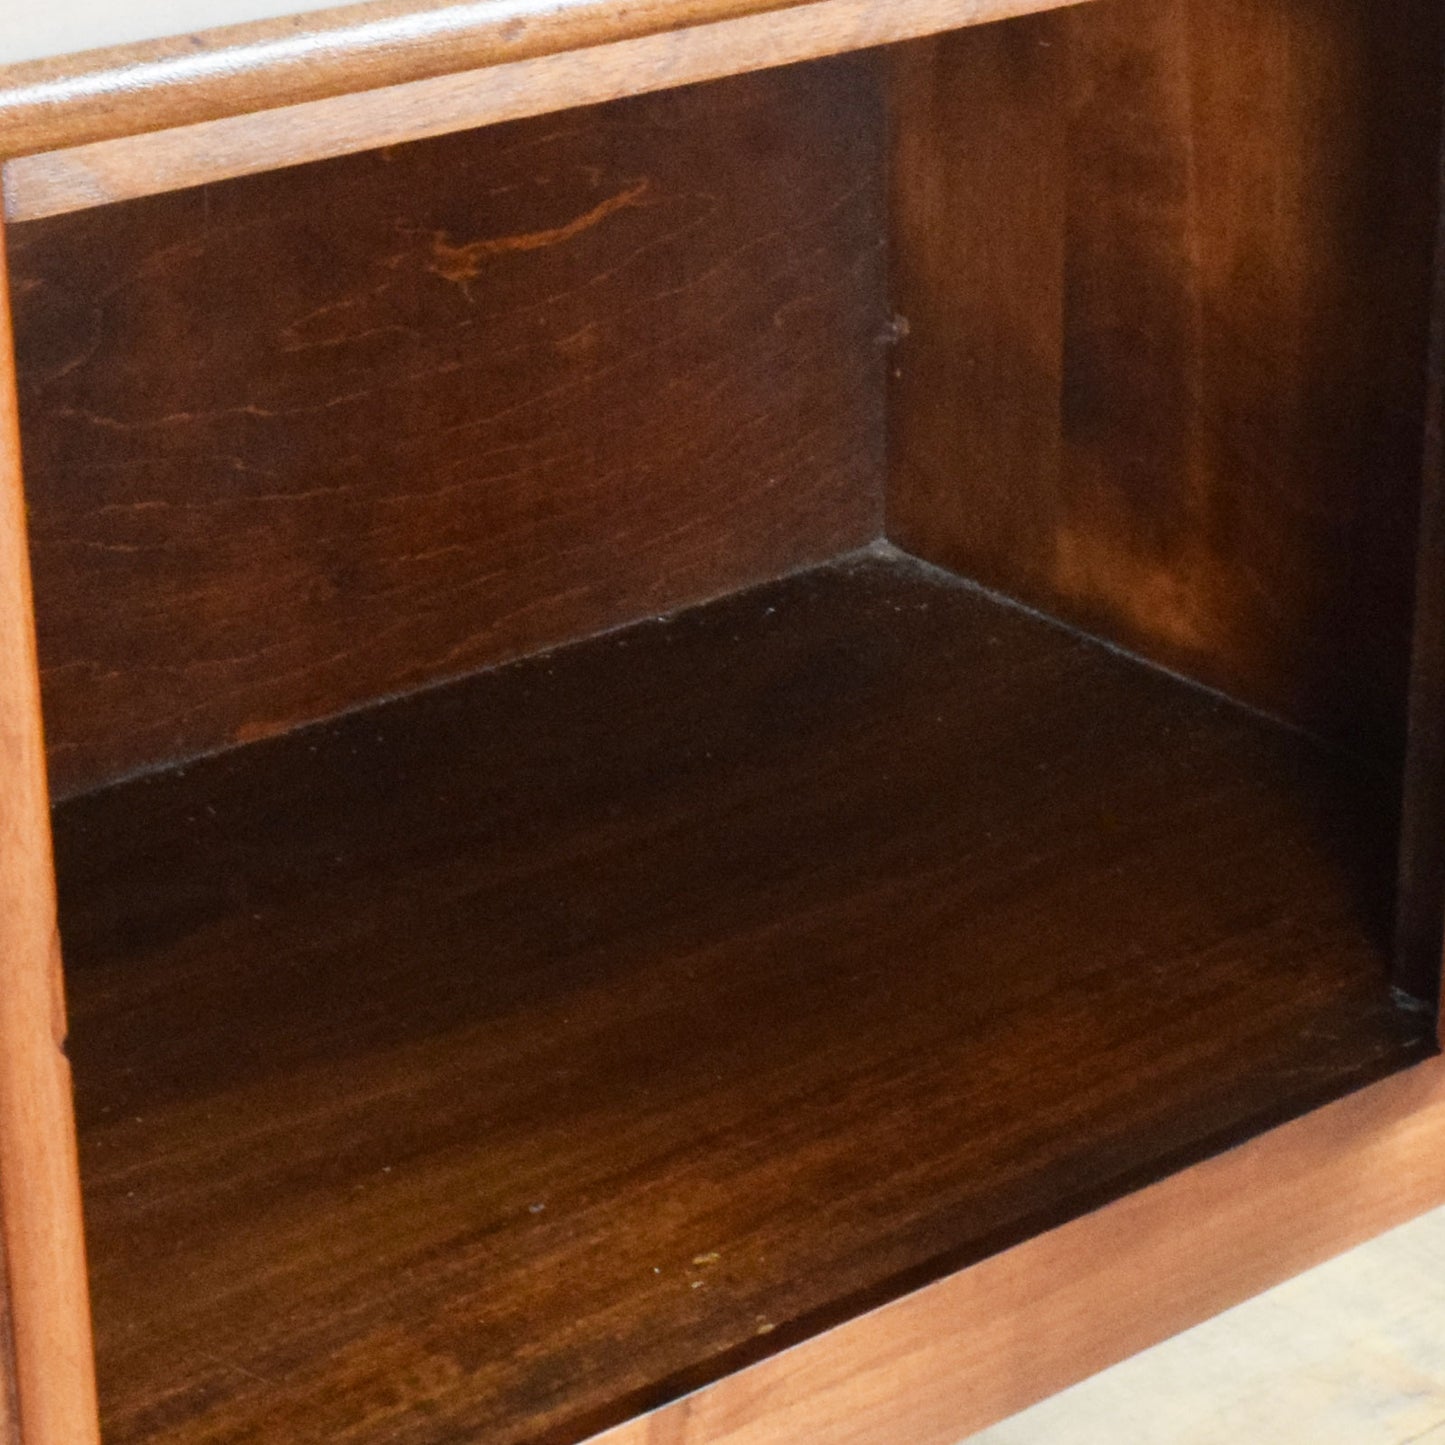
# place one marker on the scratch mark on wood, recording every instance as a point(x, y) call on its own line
point(464, 263)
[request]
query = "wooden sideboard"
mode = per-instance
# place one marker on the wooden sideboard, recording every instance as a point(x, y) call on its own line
point(743, 707)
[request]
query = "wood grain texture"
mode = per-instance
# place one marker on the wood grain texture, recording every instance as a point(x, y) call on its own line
point(1168, 382)
point(1420, 934)
point(94, 174)
point(975, 1348)
point(500, 1063)
point(43, 1251)
point(9, 1402)
point(329, 435)
point(156, 84)
point(162, 84)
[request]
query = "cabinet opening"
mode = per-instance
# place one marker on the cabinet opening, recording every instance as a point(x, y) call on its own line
point(672, 720)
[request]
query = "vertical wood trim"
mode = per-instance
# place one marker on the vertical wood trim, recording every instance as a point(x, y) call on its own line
point(1419, 932)
point(40, 1218)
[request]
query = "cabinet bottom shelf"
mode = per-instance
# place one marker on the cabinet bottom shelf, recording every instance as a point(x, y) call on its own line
point(504, 1061)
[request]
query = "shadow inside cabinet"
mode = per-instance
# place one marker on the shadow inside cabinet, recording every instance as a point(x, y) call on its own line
point(563, 894)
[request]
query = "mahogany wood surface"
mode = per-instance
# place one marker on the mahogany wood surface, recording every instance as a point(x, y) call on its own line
point(55, 182)
point(980, 1346)
point(259, 65)
point(324, 436)
point(1165, 269)
point(500, 1063)
point(155, 85)
point(44, 1326)
point(9, 1412)
point(1419, 934)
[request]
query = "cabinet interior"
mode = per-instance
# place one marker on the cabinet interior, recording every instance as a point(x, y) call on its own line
point(671, 720)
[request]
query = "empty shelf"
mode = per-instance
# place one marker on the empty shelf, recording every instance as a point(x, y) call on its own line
point(501, 1062)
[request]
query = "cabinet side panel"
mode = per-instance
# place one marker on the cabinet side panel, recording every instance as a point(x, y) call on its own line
point(307, 439)
point(1164, 366)
point(1419, 934)
point(41, 1243)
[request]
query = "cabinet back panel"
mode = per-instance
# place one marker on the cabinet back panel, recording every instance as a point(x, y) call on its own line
point(320, 436)
point(1165, 266)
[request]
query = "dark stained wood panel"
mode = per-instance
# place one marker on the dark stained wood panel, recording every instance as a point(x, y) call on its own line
point(305, 440)
point(497, 1063)
point(1419, 933)
point(1165, 268)
point(9, 1415)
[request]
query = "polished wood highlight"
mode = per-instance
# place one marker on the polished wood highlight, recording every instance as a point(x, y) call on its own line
point(55, 182)
point(502, 1062)
point(973, 1349)
point(152, 85)
point(327, 436)
point(1167, 381)
point(43, 1249)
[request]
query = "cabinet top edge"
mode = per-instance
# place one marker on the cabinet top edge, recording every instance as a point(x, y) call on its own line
point(136, 88)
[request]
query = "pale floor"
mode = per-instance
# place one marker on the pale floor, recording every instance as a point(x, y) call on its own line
point(1350, 1354)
